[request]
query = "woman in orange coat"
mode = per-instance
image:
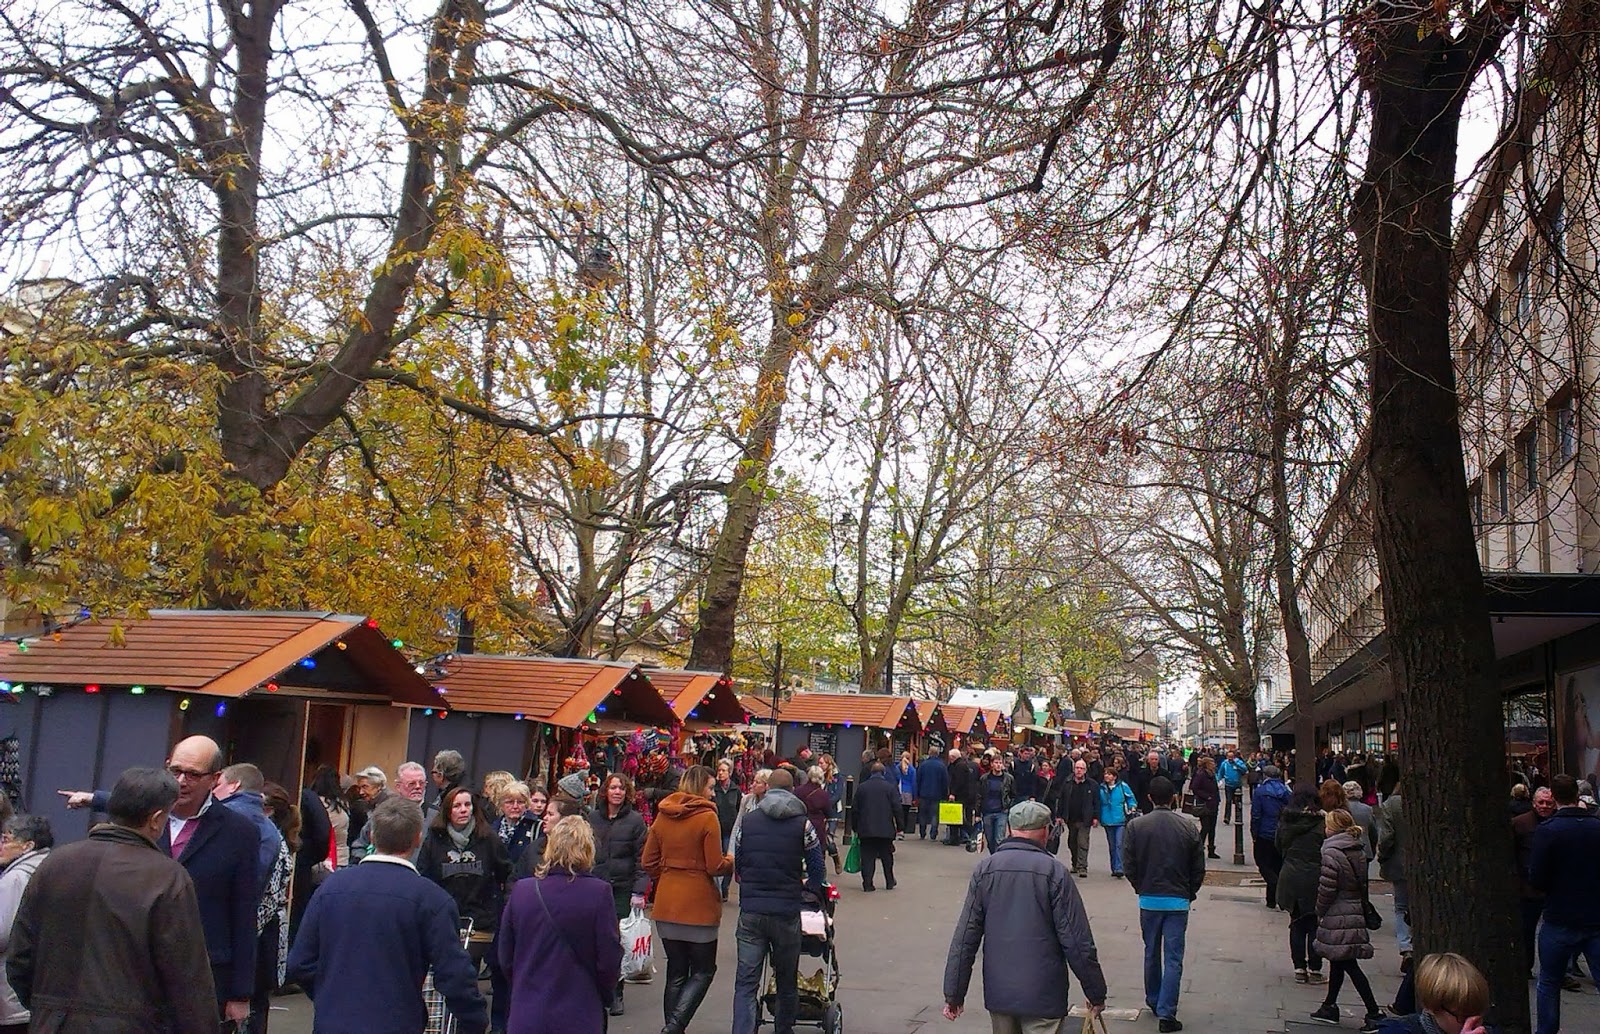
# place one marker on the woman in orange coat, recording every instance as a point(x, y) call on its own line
point(683, 854)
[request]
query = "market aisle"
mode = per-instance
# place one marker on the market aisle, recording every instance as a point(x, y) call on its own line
point(892, 949)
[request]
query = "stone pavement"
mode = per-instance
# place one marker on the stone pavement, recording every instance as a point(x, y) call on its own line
point(892, 948)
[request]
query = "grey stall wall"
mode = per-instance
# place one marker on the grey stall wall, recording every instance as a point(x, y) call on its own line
point(74, 740)
point(488, 742)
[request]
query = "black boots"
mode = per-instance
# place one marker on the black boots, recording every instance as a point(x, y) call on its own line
point(671, 994)
point(694, 991)
point(616, 1003)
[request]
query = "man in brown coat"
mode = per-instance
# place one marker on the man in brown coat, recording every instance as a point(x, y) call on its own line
point(119, 900)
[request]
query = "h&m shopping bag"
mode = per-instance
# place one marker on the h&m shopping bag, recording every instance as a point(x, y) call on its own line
point(636, 945)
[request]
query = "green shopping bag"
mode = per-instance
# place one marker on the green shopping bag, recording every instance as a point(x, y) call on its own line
point(852, 858)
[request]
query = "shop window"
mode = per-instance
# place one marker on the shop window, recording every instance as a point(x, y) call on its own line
point(1528, 458)
point(1563, 420)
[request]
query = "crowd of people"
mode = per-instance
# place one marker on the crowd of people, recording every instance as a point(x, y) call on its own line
point(211, 887)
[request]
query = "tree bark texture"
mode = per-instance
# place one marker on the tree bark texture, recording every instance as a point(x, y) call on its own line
point(1440, 645)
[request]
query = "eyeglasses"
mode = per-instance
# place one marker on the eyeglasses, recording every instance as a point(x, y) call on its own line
point(181, 774)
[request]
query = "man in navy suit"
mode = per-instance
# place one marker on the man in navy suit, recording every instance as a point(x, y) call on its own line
point(218, 847)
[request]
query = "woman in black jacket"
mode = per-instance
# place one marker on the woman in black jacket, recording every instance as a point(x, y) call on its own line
point(462, 854)
point(1203, 785)
point(619, 836)
point(1299, 840)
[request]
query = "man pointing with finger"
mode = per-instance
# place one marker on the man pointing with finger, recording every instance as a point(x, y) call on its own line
point(1023, 907)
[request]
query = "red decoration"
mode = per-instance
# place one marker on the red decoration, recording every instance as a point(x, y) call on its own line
point(91, 689)
point(272, 687)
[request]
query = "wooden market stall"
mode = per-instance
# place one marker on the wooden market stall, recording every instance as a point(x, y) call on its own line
point(968, 727)
point(707, 706)
point(288, 692)
point(845, 725)
point(935, 732)
point(522, 714)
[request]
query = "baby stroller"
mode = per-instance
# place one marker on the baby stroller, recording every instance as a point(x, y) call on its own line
point(819, 993)
point(440, 1021)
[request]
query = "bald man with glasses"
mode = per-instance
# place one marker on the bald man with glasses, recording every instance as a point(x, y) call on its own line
point(218, 848)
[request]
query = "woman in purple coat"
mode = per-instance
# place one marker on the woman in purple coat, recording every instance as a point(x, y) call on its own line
point(558, 940)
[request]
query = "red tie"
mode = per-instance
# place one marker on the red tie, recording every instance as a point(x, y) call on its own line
point(181, 841)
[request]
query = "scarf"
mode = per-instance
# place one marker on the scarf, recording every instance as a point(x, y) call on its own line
point(461, 837)
point(1429, 1024)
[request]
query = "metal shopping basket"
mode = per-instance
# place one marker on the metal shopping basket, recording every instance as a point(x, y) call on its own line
point(439, 1019)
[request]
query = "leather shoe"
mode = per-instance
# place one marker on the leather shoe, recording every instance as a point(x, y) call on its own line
point(1169, 1024)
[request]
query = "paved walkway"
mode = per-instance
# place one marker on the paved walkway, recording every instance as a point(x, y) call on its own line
point(892, 948)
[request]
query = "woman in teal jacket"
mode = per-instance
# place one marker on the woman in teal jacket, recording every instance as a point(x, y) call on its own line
point(1116, 804)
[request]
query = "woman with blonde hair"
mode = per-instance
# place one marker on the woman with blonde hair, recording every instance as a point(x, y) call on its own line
point(684, 855)
point(494, 784)
point(1342, 936)
point(558, 943)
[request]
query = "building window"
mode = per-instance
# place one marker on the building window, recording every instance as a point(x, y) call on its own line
point(1494, 333)
point(1475, 500)
point(1555, 230)
point(1522, 278)
point(1499, 487)
point(1563, 429)
point(1528, 458)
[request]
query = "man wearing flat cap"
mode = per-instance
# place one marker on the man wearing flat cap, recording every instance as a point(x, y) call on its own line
point(1026, 898)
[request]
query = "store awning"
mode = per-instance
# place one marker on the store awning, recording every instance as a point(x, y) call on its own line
point(1039, 729)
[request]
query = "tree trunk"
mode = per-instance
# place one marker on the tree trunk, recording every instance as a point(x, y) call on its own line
point(1298, 646)
point(1440, 646)
point(712, 649)
point(1243, 699)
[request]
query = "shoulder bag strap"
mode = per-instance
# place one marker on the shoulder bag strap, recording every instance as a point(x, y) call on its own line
point(561, 935)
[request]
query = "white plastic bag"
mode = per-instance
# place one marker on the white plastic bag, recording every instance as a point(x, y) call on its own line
point(636, 946)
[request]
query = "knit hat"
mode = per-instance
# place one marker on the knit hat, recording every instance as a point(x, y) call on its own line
point(1028, 815)
point(574, 786)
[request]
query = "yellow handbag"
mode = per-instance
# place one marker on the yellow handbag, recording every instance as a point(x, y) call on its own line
point(950, 813)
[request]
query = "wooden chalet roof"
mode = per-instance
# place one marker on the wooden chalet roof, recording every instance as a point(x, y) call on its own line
point(703, 695)
point(962, 719)
point(225, 653)
point(993, 718)
point(931, 712)
point(872, 710)
point(759, 708)
point(555, 690)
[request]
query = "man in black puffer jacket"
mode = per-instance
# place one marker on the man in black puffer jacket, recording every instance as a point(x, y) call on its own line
point(1027, 914)
point(776, 855)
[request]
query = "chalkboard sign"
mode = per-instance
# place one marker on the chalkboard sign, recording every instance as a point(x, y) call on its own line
point(823, 741)
point(902, 744)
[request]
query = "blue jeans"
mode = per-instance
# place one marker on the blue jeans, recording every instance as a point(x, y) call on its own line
point(723, 882)
point(994, 830)
point(1114, 844)
point(928, 817)
point(1163, 959)
point(759, 936)
point(1559, 945)
point(1402, 915)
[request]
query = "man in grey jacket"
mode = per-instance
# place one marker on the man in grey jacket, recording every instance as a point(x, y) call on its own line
point(1166, 866)
point(1023, 907)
